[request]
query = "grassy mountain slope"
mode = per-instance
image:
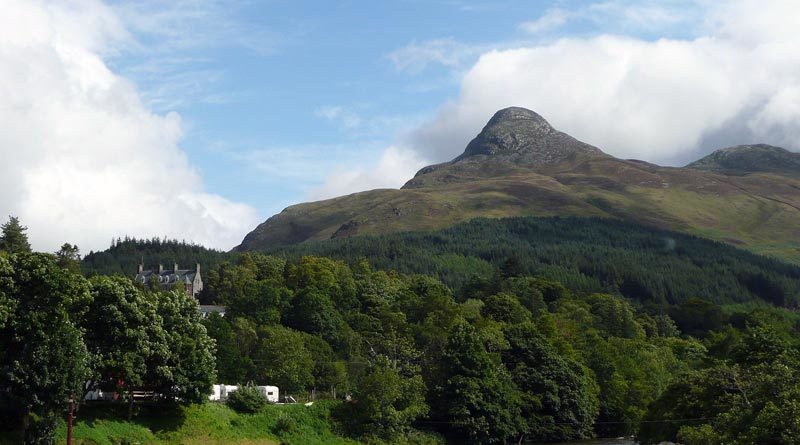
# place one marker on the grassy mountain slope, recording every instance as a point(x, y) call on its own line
point(520, 166)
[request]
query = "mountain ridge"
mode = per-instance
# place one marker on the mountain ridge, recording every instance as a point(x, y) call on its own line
point(751, 158)
point(519, 165)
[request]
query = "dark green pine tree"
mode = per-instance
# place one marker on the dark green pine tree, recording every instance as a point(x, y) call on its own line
point(13, 238)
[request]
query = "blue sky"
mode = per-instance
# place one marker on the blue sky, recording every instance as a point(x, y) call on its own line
point(199, 119)
point(317, 85)
point(316, 79)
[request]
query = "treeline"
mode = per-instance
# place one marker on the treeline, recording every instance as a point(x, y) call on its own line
point(644, 264)
point(125, 254)
point(516, 357)
point(587, 254)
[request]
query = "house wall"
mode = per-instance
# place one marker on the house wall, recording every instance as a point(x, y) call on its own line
point(197, 284)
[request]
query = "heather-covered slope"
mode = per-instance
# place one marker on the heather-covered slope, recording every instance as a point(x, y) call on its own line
point(520, 166)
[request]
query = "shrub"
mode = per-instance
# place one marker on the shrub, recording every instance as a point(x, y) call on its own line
point(285, 424)
point(247, 399)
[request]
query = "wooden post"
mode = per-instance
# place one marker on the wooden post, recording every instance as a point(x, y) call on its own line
point(69, 418)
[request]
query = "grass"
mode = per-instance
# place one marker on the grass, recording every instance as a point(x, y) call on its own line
point(206, 424)
point(210, 424)
point(757, 212)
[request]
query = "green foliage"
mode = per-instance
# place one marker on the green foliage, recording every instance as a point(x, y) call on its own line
point(521, 357)
point(283, 360)
point(189, 370)
point(475, 396)
point(585, 254)
point(750, 397)
point(313, 311)
point(385, 402)
point(125, 254)
point(42, 355)
point(124, 334)
point(614, 317)
point(697, 316)
point(505, 308)
point(232, 364)
point(513, 355)
point(560, 399)
point(69, 257)
point(13, 238)
point(204, 424)
point(247, 399)
point(284, 425)
point(331, 278)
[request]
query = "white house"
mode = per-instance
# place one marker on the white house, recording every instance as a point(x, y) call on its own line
point(221, 392)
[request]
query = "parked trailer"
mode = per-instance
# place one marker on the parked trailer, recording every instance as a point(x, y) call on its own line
point(222, 392)
point(271, 392)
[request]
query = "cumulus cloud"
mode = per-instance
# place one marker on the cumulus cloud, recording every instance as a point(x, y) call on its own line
point(395, 166)
point(663, 100)
point(83, 159)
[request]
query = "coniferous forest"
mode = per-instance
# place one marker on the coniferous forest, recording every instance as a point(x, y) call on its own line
point(644, 264)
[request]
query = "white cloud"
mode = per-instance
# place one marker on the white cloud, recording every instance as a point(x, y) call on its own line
point(417, 56)
point(83, 160)
point(662, 100)
point(396, 166)
point(552, 19)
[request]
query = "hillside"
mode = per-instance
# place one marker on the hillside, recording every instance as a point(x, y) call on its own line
point(124, 256)
point(519, 165)
point(585, 254)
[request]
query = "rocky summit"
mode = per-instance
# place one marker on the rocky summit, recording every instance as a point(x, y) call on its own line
point(522, 136)
point(513, 136)
point(519, 165)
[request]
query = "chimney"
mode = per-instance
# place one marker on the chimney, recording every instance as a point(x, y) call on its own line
point(141, 267)
point(175, 268)
point(160, 269)
point(197, 268)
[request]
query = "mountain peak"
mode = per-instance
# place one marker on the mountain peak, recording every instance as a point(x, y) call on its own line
point(744, 159)
point(517, 114)
point(522, 136)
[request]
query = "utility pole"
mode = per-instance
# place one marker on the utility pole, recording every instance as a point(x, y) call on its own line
point(69, 418)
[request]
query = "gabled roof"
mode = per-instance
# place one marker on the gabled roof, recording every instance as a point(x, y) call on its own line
point(167, 276)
